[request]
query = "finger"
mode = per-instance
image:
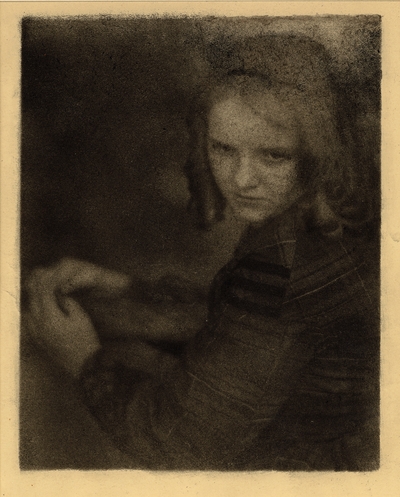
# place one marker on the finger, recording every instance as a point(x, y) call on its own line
point(37, 290)
point(47, 280)
point(37, 281)
point(70, 275)
point(73, 309)
point(49, 308)
point(30, 327)
point(88, 275)
point(45, 301)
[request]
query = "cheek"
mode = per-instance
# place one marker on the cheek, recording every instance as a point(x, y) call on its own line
point(280, 179)
point(221, 169)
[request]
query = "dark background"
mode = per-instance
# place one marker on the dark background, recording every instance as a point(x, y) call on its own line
point(103, 145)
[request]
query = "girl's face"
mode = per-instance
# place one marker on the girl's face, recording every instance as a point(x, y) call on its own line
point(252, 146)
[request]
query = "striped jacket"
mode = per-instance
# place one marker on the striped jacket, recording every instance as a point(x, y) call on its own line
point(283, 376)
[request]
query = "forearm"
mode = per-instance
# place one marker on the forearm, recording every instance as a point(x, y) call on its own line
point(234, 377)
point(200, 411)
point(150, 321)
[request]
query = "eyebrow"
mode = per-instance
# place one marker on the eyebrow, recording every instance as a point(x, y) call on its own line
point(216, 141)
point(284, 151)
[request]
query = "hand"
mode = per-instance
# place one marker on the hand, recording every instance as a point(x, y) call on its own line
point(55, 320)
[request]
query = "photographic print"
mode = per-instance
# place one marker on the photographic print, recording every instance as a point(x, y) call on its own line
point(200, 243)
point(200, 226)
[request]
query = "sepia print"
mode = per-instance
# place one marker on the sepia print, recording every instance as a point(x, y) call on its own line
point(200, 225)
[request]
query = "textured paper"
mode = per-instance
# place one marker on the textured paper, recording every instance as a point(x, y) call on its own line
point(66, 483)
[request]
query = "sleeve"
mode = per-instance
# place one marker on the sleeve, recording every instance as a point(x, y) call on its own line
point(205, 409)
point(335, 286)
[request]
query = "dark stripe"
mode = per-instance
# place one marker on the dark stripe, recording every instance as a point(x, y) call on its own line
point(255, 286)
point(264, 267)
point(252, 307)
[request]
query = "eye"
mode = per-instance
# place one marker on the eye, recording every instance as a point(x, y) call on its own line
point(223, 148)
point(276, 156)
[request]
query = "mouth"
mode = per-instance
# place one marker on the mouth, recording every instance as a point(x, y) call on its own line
point(247, 198)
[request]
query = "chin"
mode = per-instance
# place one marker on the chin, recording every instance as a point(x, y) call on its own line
point(251, 216)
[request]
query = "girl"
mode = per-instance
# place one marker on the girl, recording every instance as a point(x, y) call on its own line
point(284, 373)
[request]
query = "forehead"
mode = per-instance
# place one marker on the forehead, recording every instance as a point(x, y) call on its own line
point(253, 119)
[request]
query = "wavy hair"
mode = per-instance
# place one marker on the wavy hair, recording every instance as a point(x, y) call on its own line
point(297, 70)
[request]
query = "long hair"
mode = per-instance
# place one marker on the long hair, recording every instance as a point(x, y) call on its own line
point(297, 70)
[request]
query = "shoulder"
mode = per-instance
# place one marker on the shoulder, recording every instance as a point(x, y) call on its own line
point(312, 274)
point(334, 279)
point(256, 280)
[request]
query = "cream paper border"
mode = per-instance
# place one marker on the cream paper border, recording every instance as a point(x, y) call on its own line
point(66, 483)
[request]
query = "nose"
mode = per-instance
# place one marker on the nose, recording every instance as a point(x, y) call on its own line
point(246, 174)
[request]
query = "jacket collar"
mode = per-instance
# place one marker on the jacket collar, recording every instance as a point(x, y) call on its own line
point(280, 231)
